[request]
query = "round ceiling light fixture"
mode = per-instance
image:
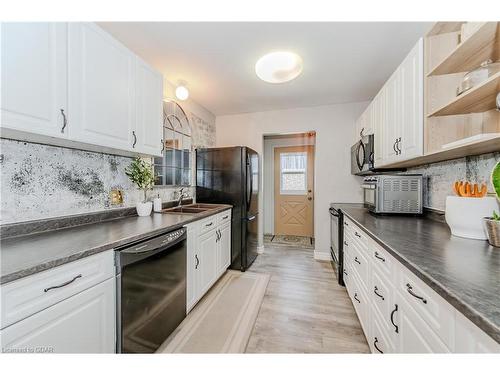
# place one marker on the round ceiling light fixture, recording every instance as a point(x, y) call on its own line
point(279, 67)
point(181, 92)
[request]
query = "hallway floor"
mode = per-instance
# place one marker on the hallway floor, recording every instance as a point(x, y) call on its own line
point(304, 309)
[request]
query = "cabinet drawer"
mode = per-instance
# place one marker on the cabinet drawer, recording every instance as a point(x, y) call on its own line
point(381, 260)
point(29, 295)
point(224, 217)
point(429, 306)
point(359, 262)
point(361, 304)
point(379, 340)
point(355, 232)
point(208, 224)
point(381, 292)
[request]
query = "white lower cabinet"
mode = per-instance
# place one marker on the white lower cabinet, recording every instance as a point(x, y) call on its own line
point(81, 320)
point(209, 254)
point(403, 314)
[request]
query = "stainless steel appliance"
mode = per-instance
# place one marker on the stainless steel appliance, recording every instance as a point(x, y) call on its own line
point(151, 291)
point(337, 242)
point(230, 175)
point(393, 193)
point(362, 157)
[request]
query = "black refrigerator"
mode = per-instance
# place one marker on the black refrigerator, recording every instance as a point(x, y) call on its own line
point(230, 175)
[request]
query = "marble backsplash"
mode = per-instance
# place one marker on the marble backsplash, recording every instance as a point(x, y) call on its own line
point(40, 181)
point(440, 176)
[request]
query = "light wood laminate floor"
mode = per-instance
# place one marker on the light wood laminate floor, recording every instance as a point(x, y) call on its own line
point(304, 309)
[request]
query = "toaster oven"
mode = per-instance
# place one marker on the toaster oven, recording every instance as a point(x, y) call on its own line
point(393, 193)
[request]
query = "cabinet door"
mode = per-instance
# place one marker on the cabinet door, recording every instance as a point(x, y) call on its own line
point(393, 111)
point(101, 88)
point(208, 260)
point(411, 132)
point(149, 113)
point(224, 248)
point(84, 323)
point(379, 128)
point(415, 335)
point(34, 77)
point(193, 265)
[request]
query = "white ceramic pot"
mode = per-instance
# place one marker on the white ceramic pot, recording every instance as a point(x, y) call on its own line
point(465, 216)
point(144, 209)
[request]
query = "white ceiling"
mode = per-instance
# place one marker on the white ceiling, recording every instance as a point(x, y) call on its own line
point(343, 62)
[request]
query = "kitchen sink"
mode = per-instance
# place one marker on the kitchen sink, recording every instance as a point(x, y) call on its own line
point(193, 208)
point(185, 210)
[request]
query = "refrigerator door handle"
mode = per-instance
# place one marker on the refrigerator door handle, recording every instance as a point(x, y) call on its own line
point(249, 177)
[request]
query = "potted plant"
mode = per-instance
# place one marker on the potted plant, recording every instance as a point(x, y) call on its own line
point(141, 174)
point(493, 223)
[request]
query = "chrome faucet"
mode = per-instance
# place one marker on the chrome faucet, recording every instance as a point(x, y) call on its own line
point(181, 196)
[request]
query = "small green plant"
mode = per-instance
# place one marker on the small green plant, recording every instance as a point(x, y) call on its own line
point(141, 174)
point(495, 181)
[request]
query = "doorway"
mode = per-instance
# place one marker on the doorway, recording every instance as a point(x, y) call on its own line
point(289, 189)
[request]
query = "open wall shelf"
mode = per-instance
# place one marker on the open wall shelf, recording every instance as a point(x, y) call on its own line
point(481, 98)
point(482, 45)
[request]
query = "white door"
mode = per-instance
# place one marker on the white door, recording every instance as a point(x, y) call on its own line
point(208, 259)
point(393, 123)
point(415, 335)
point(101, 88)
point(193, 266)
point(149, 112)
point(412, 127)
point(379, 127)
point(84, 323)
point(34, 77)
point(224, 248)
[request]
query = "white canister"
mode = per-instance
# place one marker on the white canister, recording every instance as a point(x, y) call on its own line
point(157, 204)
point(465, 215)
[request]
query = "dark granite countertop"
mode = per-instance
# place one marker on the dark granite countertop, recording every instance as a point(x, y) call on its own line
point(25, 255)
point(465, 272)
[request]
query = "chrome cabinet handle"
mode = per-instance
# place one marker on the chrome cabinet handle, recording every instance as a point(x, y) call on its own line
point(162, 145)
point(65, 121)
point(356, 260)
point(197, 262)
point(409, 290)
point(392, 318)
point(346, 244)
point(346, 224)
point(135, 139)
point(379, 257)
point(209, 224)
point(63, 284)
point(345, 272)
point(394, 146)
point(357, 234)
point(398, 143)
point(225, 217)
point(356, 297)
point(376, 347)
point(377, 294)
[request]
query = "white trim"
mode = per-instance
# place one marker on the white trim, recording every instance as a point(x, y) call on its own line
point(322, 255)
point(260, 249)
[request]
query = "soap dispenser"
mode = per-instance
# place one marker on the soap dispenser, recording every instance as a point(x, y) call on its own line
point(157, 204)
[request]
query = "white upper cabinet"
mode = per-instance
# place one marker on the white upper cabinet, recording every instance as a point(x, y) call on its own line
point(34, 78)
point(101, 88)
point(411, 143)
point(397, 116)
point(149, 109)
point(74, 85)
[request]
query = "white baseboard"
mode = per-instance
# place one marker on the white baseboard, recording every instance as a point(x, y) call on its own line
point(260, 249)
point(322, 255)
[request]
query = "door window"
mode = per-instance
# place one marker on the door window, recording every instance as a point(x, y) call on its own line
point(293, 173)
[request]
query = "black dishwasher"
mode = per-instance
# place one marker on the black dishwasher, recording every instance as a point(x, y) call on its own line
point(151, 291)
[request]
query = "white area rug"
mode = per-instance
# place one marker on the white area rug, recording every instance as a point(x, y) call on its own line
point(223, 320)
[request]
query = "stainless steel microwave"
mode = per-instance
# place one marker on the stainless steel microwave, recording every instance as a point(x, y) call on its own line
point(393, 193)
point(362, 157)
